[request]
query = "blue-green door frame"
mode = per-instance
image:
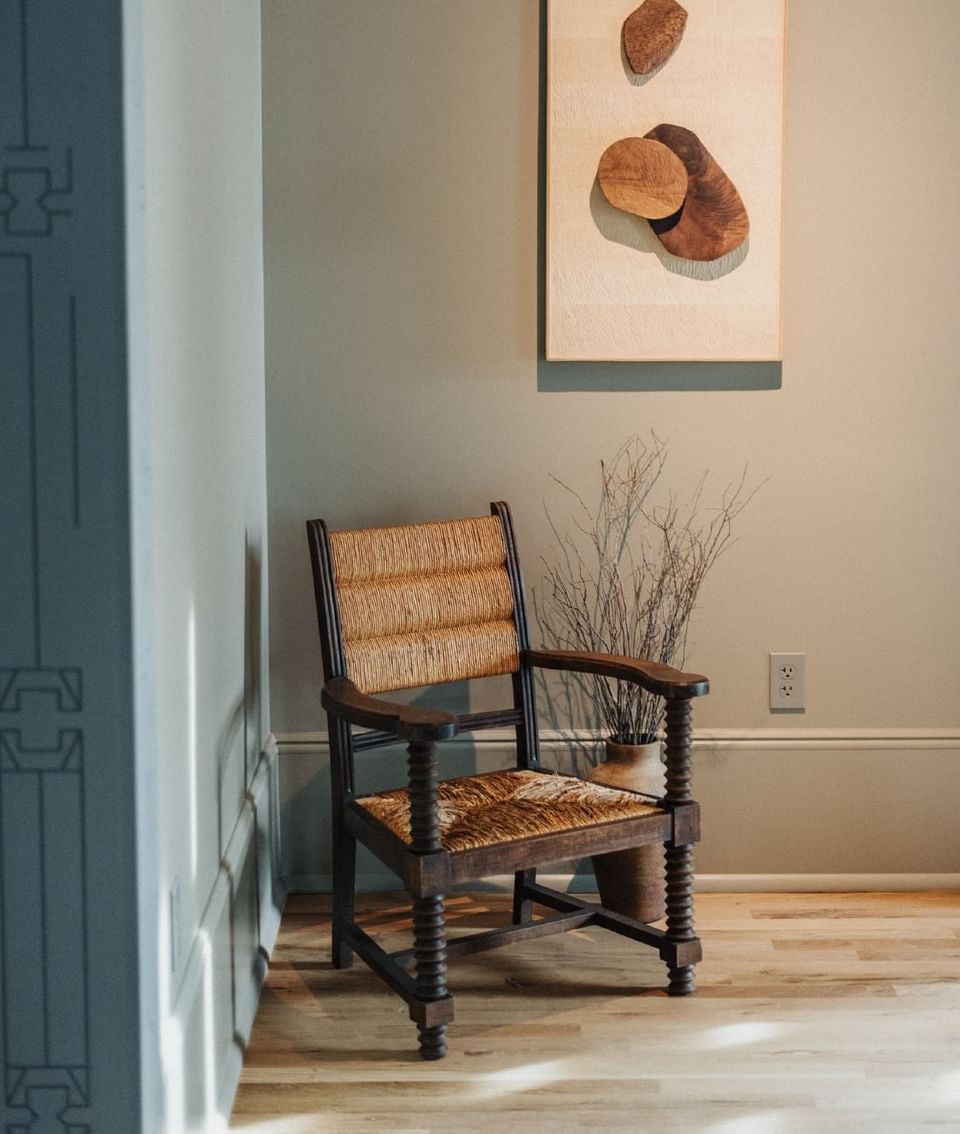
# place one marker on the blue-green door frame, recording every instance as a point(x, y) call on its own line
point(70, 1020)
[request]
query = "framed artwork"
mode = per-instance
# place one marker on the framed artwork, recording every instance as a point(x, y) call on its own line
point(664, 180)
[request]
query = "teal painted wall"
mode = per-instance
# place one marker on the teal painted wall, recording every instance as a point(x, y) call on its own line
point(207, 794)
point(69, 934)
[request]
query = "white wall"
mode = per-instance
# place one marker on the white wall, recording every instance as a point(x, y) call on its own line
point(401, 266)
point(199, 503)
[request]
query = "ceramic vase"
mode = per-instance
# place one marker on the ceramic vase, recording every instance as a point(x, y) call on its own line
point(632, 882)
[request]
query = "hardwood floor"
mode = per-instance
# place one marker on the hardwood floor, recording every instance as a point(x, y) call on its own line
point(828, 1012)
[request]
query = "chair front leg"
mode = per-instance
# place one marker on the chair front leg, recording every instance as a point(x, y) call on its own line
point(429, 936)
point(679, 858)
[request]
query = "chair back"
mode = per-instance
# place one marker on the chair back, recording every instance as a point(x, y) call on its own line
point(419, 604)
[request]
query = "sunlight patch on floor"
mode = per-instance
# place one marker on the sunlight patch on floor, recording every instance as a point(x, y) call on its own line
point(525, 1077)
point(947, 1090)
point(764, 1122)
point(736, 1035)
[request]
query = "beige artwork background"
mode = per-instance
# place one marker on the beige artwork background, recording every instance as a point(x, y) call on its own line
point(613, 292)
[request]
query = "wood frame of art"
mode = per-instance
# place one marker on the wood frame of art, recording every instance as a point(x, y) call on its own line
point(664, 180)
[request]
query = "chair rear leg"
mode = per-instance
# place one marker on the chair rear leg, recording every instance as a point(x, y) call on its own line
point(430, 957)
point(344, 889)
point(679, 858)
point(522, 905)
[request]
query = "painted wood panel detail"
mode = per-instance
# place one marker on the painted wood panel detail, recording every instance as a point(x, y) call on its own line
point(702, 283)
point(62, 558)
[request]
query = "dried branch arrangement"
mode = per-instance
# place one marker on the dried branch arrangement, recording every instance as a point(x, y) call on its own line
point(626, 580)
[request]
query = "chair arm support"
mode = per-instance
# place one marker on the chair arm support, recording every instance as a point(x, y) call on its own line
point(663, 680)
point(343, 699)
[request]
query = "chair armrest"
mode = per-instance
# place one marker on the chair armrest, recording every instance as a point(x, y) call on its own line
point(662, 680)
point(343, 699)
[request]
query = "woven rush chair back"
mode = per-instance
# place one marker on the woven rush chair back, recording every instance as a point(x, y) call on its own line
point(422, 604)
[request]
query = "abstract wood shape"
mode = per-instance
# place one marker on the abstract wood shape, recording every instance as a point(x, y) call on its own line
point(651, 34)
point(713, 219)
point(643, 177)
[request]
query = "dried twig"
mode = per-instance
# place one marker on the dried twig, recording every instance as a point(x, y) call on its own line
point(628, 580)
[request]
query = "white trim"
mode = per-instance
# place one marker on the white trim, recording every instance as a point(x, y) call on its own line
point(231, 866)
point(823, 883)
point(267, 802)
point(796, 739)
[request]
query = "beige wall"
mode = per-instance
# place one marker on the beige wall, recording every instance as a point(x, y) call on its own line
point(401, 266)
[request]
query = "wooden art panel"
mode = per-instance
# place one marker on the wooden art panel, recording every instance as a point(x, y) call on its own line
point(647, 105)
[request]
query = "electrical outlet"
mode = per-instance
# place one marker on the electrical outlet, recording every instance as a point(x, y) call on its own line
point(787, 681)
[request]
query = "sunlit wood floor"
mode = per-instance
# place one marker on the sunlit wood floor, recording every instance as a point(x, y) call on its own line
point(827, 1012)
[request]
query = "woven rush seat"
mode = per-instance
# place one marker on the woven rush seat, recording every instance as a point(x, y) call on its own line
point(501, 807)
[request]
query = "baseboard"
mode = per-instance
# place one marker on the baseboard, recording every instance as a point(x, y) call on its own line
point(824, 883)
point(769, 738)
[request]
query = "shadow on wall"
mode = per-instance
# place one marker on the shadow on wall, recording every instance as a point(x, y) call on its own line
point(634, 232)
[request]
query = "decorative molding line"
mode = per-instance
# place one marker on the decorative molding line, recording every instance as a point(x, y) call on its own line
point(53, 740)
point(257, 797)
point(775, 739)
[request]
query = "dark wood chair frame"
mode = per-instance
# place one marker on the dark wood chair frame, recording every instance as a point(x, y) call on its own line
point(429, 872)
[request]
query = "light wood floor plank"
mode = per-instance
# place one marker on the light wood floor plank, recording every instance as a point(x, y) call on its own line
point(827, 1012)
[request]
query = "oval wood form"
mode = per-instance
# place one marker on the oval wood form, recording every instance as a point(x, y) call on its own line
point(643, 177)
point(713, 220)
point(651, 34)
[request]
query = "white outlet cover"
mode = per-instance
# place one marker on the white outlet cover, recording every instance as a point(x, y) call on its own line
point(787, 684)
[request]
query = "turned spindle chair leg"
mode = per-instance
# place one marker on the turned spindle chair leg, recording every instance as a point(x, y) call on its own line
point(429, 934)
point(430, 955)
point(679, 859)
point(680, 913)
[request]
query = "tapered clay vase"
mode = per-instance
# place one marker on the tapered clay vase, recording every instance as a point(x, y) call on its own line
point(632, 882)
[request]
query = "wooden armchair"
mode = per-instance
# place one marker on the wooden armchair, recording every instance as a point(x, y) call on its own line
point(422, 604)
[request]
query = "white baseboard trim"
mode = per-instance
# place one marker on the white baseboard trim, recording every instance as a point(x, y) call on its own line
point(831, 739)
point(823, 883)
